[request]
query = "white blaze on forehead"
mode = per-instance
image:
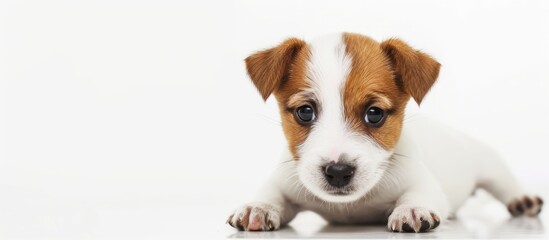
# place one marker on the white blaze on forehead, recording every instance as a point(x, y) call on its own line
point(329, 66)
point(327, 71)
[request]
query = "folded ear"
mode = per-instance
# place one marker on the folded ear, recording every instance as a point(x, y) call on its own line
point(415, 72)
point(269, 68)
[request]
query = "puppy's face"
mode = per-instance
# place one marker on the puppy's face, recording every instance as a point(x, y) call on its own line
point(342, 100)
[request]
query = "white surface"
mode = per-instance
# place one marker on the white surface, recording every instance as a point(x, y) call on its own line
point(135, 119)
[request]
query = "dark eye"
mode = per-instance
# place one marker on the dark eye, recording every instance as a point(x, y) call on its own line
point(305, 114)
point(374, 116)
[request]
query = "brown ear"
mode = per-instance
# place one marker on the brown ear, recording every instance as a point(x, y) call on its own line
point(415, 72)
point(269, 68)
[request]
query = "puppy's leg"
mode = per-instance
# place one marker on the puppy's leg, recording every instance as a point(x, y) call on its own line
point(422, 206)
point(270, 211)
point(496, 178)
point(262, 216)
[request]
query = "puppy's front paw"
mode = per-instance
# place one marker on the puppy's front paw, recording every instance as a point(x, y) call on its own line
point(525, 205)
point(255, 217)
point(412, 219)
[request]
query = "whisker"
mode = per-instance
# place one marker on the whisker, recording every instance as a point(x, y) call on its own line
point(398, 154)
point(287, 161)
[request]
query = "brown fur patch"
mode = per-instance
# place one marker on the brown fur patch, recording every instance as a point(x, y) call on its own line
point(290, 96)
point(270, 68)
point(382, 75)
point(281, 70)
point(371, 83)
point(415, 72)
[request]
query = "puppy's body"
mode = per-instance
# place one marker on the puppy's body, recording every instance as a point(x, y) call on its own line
point(422, 159)
point(351, 156)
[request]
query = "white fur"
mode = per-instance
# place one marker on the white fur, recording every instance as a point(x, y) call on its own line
point(433, 169)
point(330, 136)
point(437, 168)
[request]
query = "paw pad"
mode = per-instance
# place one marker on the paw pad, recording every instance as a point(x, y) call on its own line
point(412, 219)
point(255, 217)
point(525, 205)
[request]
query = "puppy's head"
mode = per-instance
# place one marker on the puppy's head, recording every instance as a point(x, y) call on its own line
point(342, 99)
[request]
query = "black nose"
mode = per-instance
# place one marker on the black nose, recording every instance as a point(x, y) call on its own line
point(339, 174)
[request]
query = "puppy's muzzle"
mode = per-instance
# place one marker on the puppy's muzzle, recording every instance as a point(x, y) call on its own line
point(339, 174)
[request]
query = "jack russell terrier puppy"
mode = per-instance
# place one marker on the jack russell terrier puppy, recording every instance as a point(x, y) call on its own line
point(350, 158)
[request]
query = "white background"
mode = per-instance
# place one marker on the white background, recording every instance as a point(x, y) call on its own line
point(118, 115)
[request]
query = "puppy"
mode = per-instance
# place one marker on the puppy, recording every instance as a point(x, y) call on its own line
point(351, 158)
